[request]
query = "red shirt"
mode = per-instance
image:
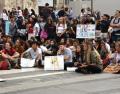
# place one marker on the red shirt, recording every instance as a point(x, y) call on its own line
point(10, 52)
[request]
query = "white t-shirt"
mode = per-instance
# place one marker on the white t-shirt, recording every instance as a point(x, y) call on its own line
point(33, 53)
point(36, 29)
point(4, 16)
point(61, 28)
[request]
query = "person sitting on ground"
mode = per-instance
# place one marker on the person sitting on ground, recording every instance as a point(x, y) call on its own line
point(33, 53)
point(10, 55)
point(91, 60)
point(105, 54)
point(77, 58)
point(114, 66)
point(116, 55)
point(67, 53)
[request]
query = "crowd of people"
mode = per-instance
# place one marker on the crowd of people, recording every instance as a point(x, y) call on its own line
point(53, 33)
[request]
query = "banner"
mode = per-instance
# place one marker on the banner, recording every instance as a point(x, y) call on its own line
point(85, 31)
point(54, 63)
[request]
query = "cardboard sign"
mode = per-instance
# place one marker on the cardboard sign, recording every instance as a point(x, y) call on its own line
point(27, 63)
point(54, 63)
point(85, 31)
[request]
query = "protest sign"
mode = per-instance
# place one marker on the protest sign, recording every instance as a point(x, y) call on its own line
point(85, 31)
point(27, 63)
point(54, 63)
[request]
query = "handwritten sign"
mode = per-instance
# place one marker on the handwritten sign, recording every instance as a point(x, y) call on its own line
point(85, 31)
point(54, 63)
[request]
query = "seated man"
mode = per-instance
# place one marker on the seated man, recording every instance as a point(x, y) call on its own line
point(33, 53)
point(10, 55)
point(67, 56)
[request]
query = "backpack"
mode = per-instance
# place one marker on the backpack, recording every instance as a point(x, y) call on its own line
point(43, 34)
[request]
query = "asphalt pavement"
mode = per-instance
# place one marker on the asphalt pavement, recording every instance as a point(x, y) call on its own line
point(38, 81)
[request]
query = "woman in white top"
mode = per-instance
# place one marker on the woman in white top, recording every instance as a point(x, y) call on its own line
point(36, 29)
point(5, 15)
point(61, 27)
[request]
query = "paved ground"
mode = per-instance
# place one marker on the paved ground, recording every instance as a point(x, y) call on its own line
point(38, 81)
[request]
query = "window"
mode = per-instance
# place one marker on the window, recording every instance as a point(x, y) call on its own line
point(66, 2)
point(54, 2)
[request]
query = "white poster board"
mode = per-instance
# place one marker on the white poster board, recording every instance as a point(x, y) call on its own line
point(85, 31)
point(54, 63)
point(27, 63)
point(43, 2)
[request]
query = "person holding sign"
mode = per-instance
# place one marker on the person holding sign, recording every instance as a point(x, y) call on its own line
point(67, 53)
point(33, 53)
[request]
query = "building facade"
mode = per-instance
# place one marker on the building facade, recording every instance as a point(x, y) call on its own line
point(104, 6)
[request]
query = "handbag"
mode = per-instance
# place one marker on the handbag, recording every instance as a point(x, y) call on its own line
point(43, 34)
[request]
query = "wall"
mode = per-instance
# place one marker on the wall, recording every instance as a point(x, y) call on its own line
point(105, 6)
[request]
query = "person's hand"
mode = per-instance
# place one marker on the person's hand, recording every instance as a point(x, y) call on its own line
point(84, 65)
point(77, 64)
point(12, 58)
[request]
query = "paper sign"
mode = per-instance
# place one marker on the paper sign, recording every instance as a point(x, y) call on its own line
point(54, 63)
point(27, 63)
point(85, 31)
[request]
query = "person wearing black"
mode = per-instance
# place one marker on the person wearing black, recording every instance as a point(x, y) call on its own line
point(52, 48)
point(51, 29)
point(77, 58)
point(46, 11)
point(104, 25)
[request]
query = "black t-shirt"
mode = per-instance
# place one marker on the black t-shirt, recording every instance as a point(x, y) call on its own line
point(104, 26)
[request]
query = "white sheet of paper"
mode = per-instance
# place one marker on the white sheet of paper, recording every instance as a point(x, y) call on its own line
point(27, 62)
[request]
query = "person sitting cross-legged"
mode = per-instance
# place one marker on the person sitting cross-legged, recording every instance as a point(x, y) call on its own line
point(10, 55)
point(33, 53)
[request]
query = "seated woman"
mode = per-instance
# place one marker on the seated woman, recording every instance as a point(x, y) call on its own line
point(105, 54)
point(91, 60)
point(19, 46)
point(10, 55)
point(77, 58)
point(116, 56)
point(114, 66)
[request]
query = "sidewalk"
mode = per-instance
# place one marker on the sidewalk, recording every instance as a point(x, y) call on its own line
point(13, 71)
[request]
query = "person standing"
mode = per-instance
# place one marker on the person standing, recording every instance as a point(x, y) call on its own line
point(115, 24)
point(46, 11)
point(67, 53)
